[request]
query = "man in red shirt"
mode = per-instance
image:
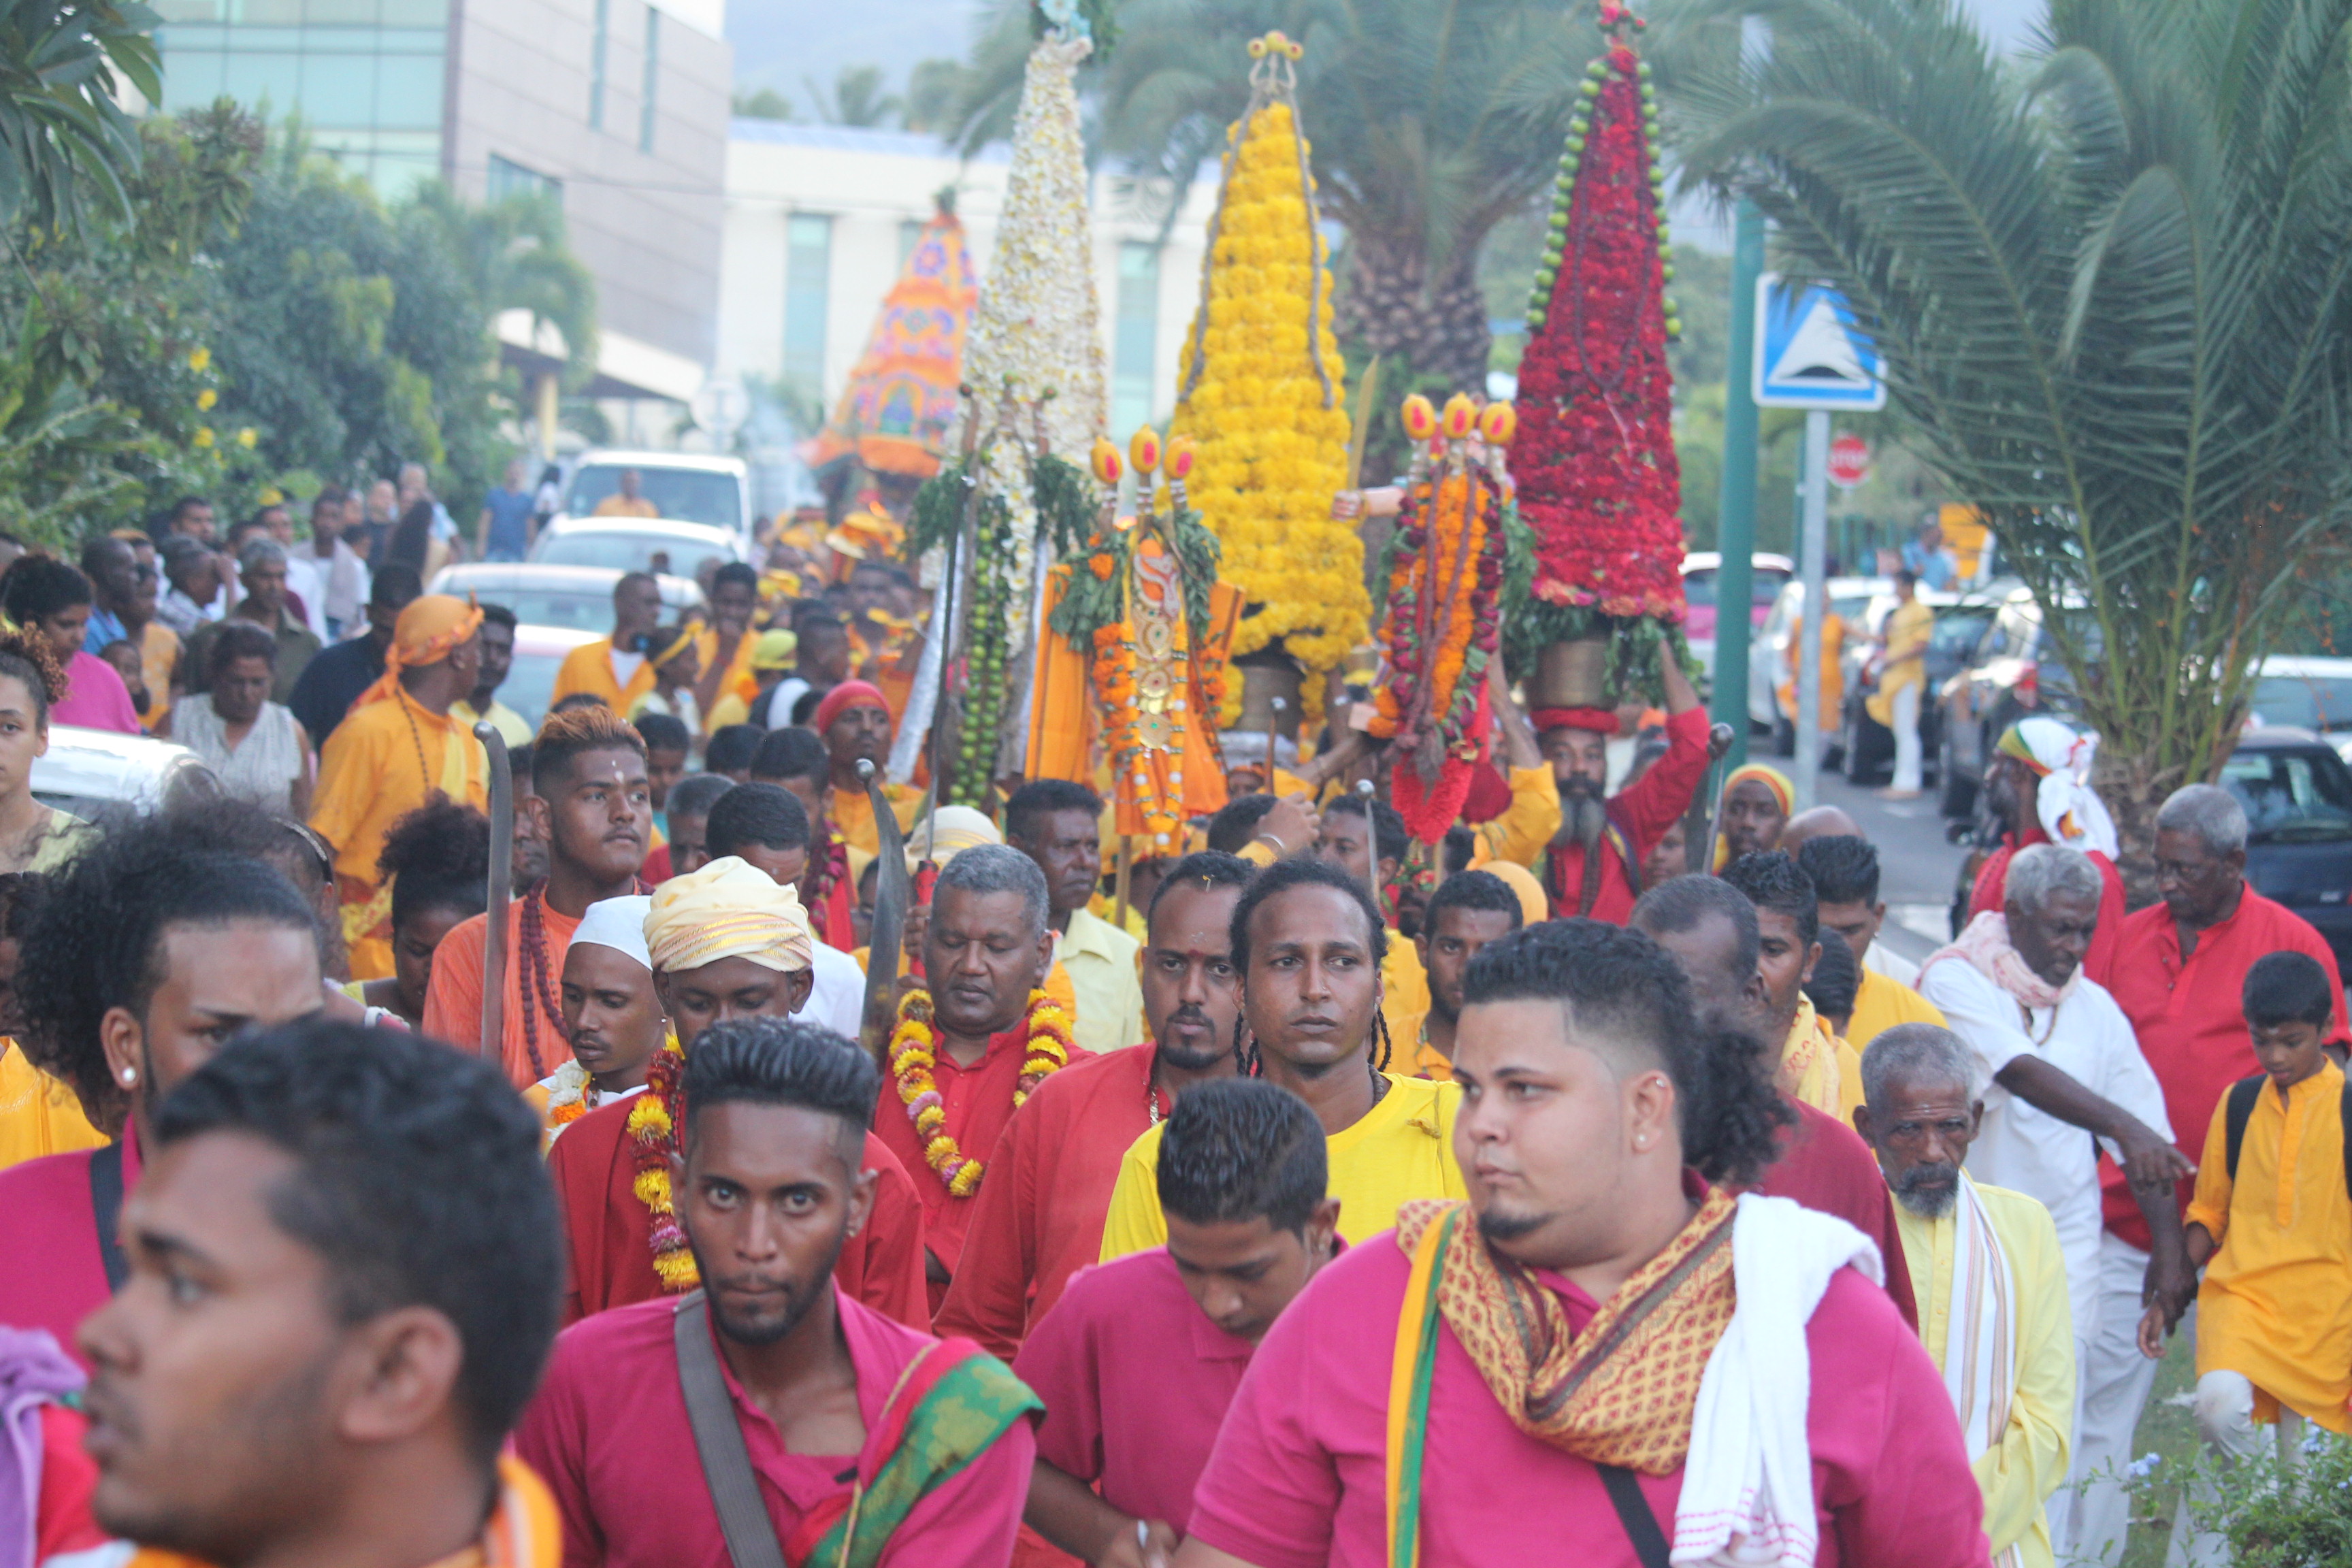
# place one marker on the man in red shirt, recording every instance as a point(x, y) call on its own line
point(1039, 1216)
point(975, 1045)
point(1593, 866)
point(1710, 929)
point(2180, 969)
point(1140, 1358)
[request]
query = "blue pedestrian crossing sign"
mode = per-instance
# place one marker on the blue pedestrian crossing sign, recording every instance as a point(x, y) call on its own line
point(1810, 354)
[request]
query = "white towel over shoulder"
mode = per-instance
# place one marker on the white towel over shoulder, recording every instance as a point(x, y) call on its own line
point(1748, 1487)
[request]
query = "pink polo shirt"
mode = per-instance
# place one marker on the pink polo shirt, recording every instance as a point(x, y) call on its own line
point(1136, 1381)
point(608, 1434)
point(1297, 1479)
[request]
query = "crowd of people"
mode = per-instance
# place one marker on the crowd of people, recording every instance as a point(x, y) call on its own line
point(1185, 1194)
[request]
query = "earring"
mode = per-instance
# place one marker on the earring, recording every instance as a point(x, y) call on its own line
point(130, 1076)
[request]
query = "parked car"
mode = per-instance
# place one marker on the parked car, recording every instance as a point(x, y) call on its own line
point(2308, 693)
point(1699, 570)
point(538, 653)
point(2014, 670)
point(2297, 793)
point(712, 491)
point(1773, 655)
point(85, 772)
point(636, 544)
point(1866, 745)
point(577, 598)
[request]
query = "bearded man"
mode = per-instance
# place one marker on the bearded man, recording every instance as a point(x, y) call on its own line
point(1594, 866)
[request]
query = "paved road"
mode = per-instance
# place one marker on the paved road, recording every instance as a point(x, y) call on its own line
point(1916, 867)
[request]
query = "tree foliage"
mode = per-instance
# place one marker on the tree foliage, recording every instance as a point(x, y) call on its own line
point(2111, 287)
point(62, 135)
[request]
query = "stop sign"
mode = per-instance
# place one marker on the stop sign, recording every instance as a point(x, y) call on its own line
point(1848, 461)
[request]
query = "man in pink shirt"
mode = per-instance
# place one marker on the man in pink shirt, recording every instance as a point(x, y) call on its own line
point(1138, 1360)
point(1502, 1380)
point(862, 1439)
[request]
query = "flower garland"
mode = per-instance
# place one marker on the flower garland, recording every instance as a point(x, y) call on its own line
point(1598, 478)
point(1260, 393)
point(913, 1052)
point(653, 1139)
point(567, 1097)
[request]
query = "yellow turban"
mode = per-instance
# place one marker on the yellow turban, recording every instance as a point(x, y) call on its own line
point(727, 909)
point(427, 632)
point(1533, 905)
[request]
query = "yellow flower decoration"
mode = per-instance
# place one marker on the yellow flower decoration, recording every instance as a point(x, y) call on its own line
point(200, 361)
point(204, 437)
point(246, 437)
point(206, 398)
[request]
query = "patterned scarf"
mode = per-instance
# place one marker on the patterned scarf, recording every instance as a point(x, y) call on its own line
point(1621, 1392)
point(1810, 1070)
point(1986, 948)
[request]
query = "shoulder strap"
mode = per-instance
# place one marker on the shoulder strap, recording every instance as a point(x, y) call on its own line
point(718, 1441)
point(106, 1210)
point(1634, 1511)
point(2244, 1096)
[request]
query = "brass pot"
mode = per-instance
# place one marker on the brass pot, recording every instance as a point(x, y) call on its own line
point(1263, 680)
point(1571, 674)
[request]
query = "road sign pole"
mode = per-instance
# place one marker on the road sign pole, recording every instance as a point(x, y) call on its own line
point(1735, 505)
point(1809, 562)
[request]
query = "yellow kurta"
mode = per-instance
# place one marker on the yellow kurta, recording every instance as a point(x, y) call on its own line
point(371, 777)
point(38, 1114)
point(2276, 1303)
point(853, 816)
point(1100, 960)
point(1404, 997)
point(1401, 1150)
point(2029, 1462)
point(1879, 1002)
point(1908, 630)
point(1820, 1069)
point(589, 667)
point(1529, 823)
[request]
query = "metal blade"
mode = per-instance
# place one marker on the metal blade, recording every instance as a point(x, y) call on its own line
point(893, 895)
point(501, 891)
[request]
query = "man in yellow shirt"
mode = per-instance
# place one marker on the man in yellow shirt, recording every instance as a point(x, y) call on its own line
point(2271, 1226)
point(1990, 1283)
point(1844, 874)
point(1308, 943)
point(616, 668)
point(1902, 681)
point(1058, 825)
point(629, 501)
point(400, 746)
point(1816, 1067)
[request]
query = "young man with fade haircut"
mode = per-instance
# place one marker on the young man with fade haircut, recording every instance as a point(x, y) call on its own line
point(1816, 1067)
point(1709, 929)
point(1307, 943)
point(498, 662)
point(1469, 910)
point(616, 668)
point(854, 722)
point(1139, 1360)
point(724, 944)
point(1498, 1377)
point(968, 1050)
point(765, 826)
point(342, 1289)
point(1039, 1216)
point(859, 1439)
point(592, 807)
point(1592, 865)
point(796, 760)
point(1058, 825)
point(2068, 1085)
point(146, 956)
point(1985, 1263)
point(1844, 874)
point(687, 819)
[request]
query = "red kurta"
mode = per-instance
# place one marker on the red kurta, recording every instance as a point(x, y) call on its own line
point(1642, 811)
point(608, 1434)
point(1038, 1217)
point(52, 1275)
point(1986, 893)
point(978, 1104)
point(1825, 1165)
point(608, 1234)
point(2190, 1018)
point(1297, 1479)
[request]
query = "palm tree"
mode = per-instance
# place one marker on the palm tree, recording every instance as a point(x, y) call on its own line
point(856, 98)
point(2110, 282)
point(1431, 121)
point(62, 129)
point(515, 255)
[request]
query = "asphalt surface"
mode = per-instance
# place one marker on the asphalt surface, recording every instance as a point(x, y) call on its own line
point(1916, 867)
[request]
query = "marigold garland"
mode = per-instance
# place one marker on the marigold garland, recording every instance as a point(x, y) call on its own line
point(1260, 395)
point(913, 1052)
point(653, 1139)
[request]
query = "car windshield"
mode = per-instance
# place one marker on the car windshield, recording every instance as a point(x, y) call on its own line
point(627, 551)
point(532, 681)
point(691, 495)
point(1764, 585)
point(2305, 701)
point(568, 608)
point(1956, 631)
point(2291, 796)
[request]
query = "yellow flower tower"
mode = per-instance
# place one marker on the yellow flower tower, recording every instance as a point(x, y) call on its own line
point(1260, 393)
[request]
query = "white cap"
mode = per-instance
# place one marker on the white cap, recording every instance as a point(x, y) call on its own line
point(619, 924)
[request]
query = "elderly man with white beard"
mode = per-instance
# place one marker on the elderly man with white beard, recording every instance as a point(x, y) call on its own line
point(1594, 865)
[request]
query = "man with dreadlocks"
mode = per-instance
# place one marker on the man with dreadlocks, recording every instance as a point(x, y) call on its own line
point(592, 806)
point(1039, 1216)
point(399, 748)
point(1307, 943)
point(1595, 866)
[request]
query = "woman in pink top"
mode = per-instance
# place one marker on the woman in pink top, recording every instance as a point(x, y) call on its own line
point(45, 596)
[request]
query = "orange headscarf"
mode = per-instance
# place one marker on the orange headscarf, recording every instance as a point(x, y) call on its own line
point(425, 633)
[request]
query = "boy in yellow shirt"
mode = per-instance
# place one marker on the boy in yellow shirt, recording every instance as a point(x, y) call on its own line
point(2271, 1226)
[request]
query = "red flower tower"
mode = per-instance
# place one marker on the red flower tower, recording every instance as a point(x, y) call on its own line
point(1598, 482)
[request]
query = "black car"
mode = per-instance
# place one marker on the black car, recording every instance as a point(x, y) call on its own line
point(2298, 798)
